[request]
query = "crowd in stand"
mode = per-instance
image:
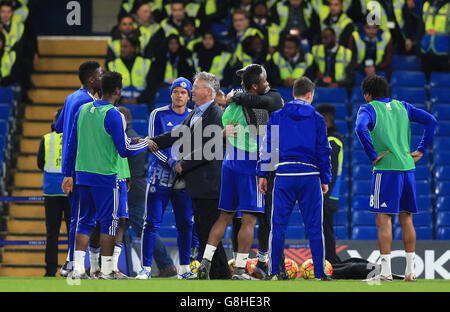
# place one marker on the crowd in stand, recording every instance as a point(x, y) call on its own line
point(326, 40)
point(18, 45)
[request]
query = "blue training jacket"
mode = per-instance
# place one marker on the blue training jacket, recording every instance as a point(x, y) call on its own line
point(300, 143)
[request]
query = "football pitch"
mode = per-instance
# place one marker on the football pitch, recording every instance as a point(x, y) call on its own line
point(57, 284)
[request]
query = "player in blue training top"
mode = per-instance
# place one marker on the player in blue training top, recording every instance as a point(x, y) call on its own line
point(160, 183)
point(90, 74)
point(303, 172)
point(383, 128)
point(97, 140)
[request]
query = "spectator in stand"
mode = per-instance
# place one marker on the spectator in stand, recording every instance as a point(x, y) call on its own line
point(261, 20)
point(9, 70)
point(211, 56)
point(297, 17)
point(20, 37)
point(173, 23)
point(411, 29)
point(338, 20)
point(221, 100)
point(135, 72)
point(124, 29)
point(239, 31)
point(150, 32)
point(435, 43)
point(372, 50)
point(190, 33)
point(333, 63)
point(172, 61)
point(244, 5)
point(290, 63)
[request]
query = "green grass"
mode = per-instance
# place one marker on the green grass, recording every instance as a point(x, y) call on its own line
point(23, 284)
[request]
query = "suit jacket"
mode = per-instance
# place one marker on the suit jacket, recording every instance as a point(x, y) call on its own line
point(202, 175)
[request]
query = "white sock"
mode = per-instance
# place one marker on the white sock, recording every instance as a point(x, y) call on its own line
point(209, 252)
point(94, 257)
point(107, 265)
point(115, 257)
point(68, 257)
point(234, 255)
point(78, 257)
point(148, 269)
point(385, 265)
point(241, 260)
point(410, 256)
point(262, 256)
point(184, 268)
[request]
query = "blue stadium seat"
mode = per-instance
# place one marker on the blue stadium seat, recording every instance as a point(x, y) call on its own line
point(341, 217)
point(408, 78)
point(342, 126)
point(439, 95)
point(440, 80)
point(423, 173)
point(331, 95)
point(422, 232)
point(361, 187)
point(140, 126)
point(360, 157)
point(168, 218)
point(163, 97)
point(424, 203)
point(441, 158)
point(295, 232)
point(442, 188)
point(443, 128)
point(341, 108)
point(139, 111)
point(296, 217)
point(442, 219)
point(442, 203)
point(405, 62)
point(5, 111)
point(443, 233)
point(4, 127)
point(340, 232)
point(357, 98)
point(442, 173)
point(409, 94)
point(440, 144)
point(6, 95)
point(423, 218)
point(167, 231)
point(423, 187)
point(286, 94)
point(363, 217)
point(360, 202)
point(228, 230)
point(364, 233)
point(361, 172)
point(441, 111)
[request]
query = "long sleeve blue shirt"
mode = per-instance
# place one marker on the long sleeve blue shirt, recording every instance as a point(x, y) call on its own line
point(366, 120)
point(115, 126)
point(66, 119)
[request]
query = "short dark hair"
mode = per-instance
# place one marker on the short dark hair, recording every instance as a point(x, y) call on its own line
point(111, 81)
point(251, 74)
point(133, 40)
point(302, 86)
point(178, 1)
point(375, 86)
point(87, 70)
point(328, 110)
point(293, 39)
point(6, 3)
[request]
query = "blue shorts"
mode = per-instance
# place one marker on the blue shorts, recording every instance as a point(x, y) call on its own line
point(123, 200)
point(98, 203)
point(240, 191)
point(393, 192)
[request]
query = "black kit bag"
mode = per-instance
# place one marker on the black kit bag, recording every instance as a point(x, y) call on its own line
point(357, 268)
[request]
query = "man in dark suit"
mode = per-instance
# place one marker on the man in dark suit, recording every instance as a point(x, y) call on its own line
point(200, 163)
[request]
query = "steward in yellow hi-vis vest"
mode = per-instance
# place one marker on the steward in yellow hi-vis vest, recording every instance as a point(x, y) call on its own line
point(134, 70)
point(125, 28)
point(436, 18)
